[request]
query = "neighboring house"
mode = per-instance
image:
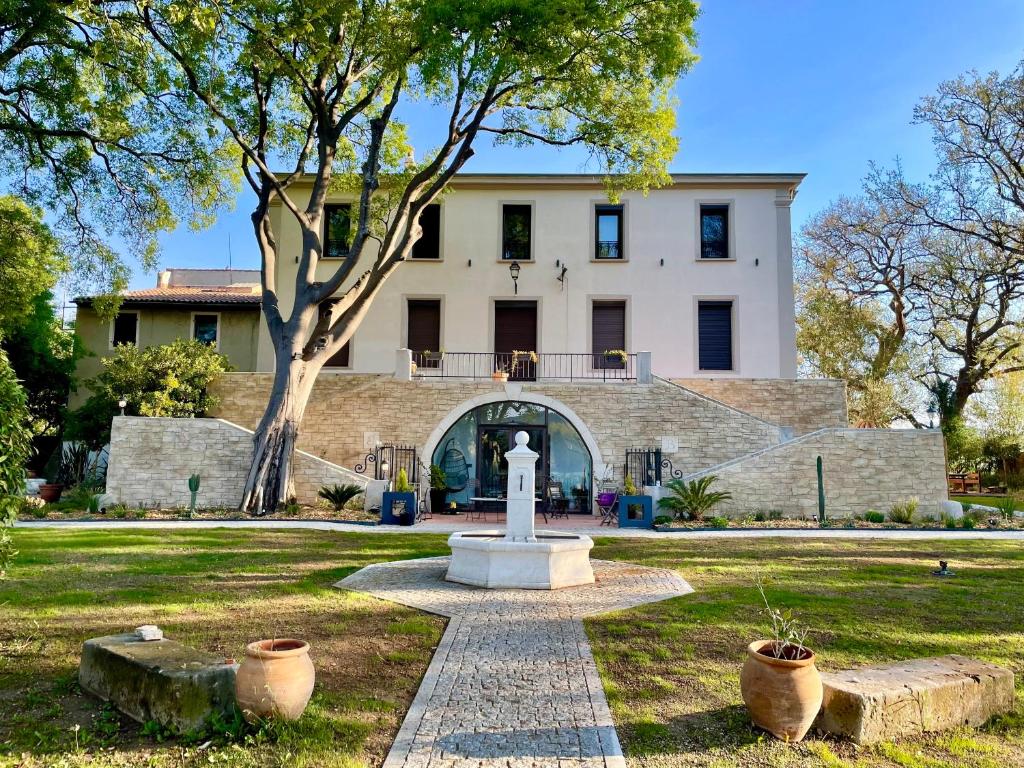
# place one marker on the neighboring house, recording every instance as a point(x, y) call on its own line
point(217, 306)
point(693, 282)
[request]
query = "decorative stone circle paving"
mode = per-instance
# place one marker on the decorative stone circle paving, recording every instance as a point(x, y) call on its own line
point(513, 682)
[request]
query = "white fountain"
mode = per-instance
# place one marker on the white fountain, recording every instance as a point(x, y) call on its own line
point(520, 557)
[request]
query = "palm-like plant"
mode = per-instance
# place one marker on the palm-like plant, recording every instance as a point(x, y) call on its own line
point(339, 495)
point(691, 500)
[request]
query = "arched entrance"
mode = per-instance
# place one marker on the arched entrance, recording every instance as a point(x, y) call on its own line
point(472, 445)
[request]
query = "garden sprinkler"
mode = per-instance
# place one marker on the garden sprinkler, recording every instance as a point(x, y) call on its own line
point(943, 569)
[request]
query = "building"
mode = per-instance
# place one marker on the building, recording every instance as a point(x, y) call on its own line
point(653, 336)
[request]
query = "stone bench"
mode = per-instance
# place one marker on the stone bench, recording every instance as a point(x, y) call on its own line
point(874, 704)
point(162, 680)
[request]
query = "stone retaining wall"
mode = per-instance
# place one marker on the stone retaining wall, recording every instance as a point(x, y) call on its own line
point(349, 413)
point(151, 460)
point(803, 405)
point(863, 469)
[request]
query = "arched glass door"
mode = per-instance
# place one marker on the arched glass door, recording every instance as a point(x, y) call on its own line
point(481, 437)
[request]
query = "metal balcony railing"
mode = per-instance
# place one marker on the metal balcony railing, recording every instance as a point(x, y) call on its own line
point(546, 366)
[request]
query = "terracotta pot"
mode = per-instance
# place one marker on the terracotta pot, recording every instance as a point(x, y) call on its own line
point(50, 492)
point(499, 376)
point(275, 679)
point(782, 695)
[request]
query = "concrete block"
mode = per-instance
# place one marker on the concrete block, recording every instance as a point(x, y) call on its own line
point(162, 680)
point(873, 704)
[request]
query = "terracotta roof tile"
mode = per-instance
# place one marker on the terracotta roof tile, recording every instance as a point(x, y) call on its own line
point(205, 294)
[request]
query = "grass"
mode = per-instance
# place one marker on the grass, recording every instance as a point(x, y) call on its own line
point(217, 590)
point(987, 501)
point(671, 669)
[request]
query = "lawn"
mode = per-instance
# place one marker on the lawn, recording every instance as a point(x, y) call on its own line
point(671, 670)
point(213, 589)
point(987, 501)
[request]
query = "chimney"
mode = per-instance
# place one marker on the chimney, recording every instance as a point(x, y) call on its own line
point(163, 278)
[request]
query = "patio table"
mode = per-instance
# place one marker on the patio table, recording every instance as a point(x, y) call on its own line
point(479, 502)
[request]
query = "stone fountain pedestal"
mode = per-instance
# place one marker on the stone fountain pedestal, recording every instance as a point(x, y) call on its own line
point(520, 557)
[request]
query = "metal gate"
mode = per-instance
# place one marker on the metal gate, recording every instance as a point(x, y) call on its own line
point(645, 466)
point(387, 460)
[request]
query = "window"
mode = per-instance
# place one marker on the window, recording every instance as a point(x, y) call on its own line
point(339, 359)
point(714, 335)
point(125, 329)
point(515, 232)
point(608, 232)
point(429, 244)
point(337, 230)
point(714, 231)
point(205, 328)
point(424, 331)
point(608, 332)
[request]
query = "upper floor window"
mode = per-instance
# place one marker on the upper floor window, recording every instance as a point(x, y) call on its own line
point(714, 231)
point(205, 328)
point(714, 335)
point(608, 333)
point(337, 230)
point(429, 244)
point(423, 332)
point(608, 232)
point(124, 329)
point(516, 221)
point(339, 359)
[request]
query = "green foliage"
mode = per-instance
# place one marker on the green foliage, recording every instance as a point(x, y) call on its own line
point(193, 489)
point(691, 500)
point(43, 355)
point(760, 516)
point(167, 380)
point(719, 522)
point(339, 495)
point(1006, 507)
point(629, 486)
point(438, 480)
point(402, 484)
point(73, 465)
point(874, 516)
point(15, 449)
point(30, 260)
point(903, 512)
point(663, 520)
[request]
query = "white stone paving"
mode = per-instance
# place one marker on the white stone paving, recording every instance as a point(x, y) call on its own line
point(513, 682)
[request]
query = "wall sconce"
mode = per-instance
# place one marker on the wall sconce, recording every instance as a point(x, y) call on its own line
point(561, 276)
point(513, 270)
point(469, 262)
point(663, 262)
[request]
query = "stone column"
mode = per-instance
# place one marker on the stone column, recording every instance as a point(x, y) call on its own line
point(403, 364)
point(520, 503)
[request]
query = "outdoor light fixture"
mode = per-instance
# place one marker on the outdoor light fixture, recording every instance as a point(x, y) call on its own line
point(943, 569)
point(932, 411)
point(122, 403)
point(513, 269)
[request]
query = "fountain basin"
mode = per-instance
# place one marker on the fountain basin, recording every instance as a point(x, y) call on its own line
point(488, 559)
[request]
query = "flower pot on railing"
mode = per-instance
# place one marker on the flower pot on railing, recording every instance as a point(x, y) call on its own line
point(500, 376)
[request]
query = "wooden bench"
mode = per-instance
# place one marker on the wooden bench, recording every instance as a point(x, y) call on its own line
point(873, 704)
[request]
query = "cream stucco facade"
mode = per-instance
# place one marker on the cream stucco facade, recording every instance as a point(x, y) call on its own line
point(661, 277)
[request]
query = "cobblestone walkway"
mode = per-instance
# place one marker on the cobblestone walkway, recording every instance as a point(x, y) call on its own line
point(513, 682)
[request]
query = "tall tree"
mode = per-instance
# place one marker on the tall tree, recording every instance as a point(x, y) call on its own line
point(317, 87)
point(857, 262)
point(89, 132)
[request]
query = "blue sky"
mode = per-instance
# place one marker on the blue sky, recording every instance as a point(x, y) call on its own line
point(817, 86)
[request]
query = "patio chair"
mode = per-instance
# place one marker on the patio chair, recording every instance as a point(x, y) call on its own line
point(558, 505)
point(608, 502)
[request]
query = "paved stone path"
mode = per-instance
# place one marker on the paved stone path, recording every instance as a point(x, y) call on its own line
point(513, 682)
point(590, 530)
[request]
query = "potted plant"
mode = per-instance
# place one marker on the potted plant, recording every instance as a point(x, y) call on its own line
point(636, 509)
point(500, 375)
point(438, 489)
point(275, 679)
point(398, 507)
point(779, 682)
point(520, 357)
point(433, 356)
point(615, 358)
point(692, 500)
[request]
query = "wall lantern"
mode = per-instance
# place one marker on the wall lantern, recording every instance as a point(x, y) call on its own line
point(122, 403)
point(932, 411)
point(513, 269)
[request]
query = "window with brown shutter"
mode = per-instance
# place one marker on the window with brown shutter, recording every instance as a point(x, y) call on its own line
point(424, 329)
point(608, 332)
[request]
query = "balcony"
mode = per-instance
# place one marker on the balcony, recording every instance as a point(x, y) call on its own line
point(631, 368)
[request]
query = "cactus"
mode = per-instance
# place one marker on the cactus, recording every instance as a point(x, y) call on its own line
point(193, 487)
point(821, 494)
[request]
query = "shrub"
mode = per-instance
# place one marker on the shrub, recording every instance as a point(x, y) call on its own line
point(339, 495)
point(15, 449)
point(903, 512)
point(629, 486)
point(165, 380)
point(438, 479)
point(967, 522)
point(874, 516)
point(1006, 507)
point(663, 520)
point(402, 482)
point(692, 500)
point(949, 521)
point(760, 517)
point(719, 522)
point(774, 514)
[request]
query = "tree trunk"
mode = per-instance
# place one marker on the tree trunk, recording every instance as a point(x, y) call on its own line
point(268, 483)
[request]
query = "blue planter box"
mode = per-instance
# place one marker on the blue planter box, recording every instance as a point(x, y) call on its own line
point(393, 499)
point(645, 521)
